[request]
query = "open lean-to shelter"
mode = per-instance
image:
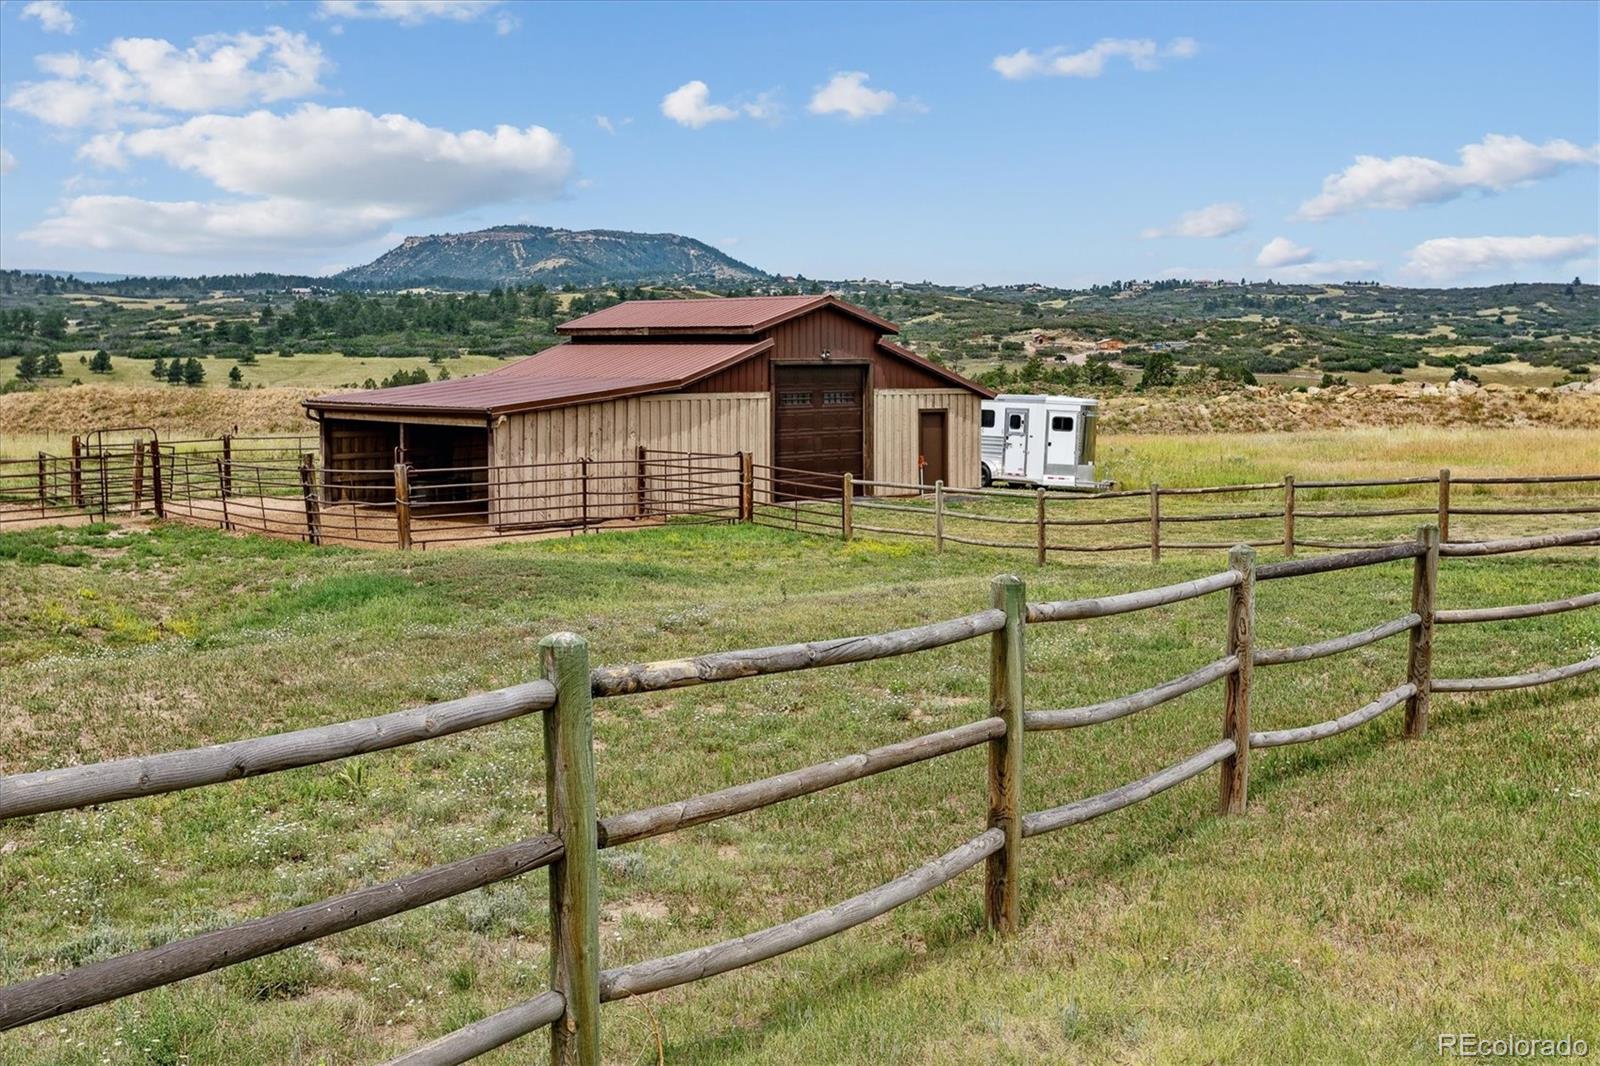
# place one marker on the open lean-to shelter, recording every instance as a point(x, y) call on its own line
point(808, 383)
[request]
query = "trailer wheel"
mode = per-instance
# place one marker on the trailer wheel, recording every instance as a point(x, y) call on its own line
point(984, 477)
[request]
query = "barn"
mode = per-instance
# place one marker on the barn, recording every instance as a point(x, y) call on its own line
point(807, 383)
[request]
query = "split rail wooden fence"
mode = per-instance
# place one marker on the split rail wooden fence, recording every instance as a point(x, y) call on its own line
point(277, 486)
point(1050, 524)
point(575, 832)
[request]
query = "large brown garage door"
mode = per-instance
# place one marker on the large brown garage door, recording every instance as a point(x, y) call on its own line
point(820, 419)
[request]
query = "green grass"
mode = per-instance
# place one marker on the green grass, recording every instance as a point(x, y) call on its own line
point(1379, 891)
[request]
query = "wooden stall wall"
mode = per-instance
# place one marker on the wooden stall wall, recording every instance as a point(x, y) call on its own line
point(894, 445)
point(610, 434)
point(358, 459)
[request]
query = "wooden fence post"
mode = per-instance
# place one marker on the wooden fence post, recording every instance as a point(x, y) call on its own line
point(640, 504)
point(1419, 660)
point(43, 493)
point(227, 465)
point(1444, 506)
point(105, 484)
point(747, 487)
point(847, 516)
point(308, 492)
point(155, 476)
point(138, 477)
point(1288, 515)
point(1155, 522)
point(1002, 870)
point(76, 471)
point(574, 879)
point(1236, 694)
point(583, 490)
point(1043, 544)
point(223, 496)
point(402, 506)
point(938, 516)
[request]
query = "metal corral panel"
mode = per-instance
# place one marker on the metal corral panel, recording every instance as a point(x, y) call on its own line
point(895, 445)
point(714, 423)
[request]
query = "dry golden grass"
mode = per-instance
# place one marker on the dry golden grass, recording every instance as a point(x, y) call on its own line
point(59, 413)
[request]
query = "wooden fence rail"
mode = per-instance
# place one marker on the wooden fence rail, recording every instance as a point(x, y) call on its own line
point(571, 1006)
point(831, 505)
point(266, 485)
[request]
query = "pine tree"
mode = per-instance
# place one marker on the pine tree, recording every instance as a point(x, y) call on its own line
point(28, 366)
point(159, 370)
point(1159, 370)
point(52, 325)
point(51, 364)
point(175, 372)
point(101, 363)
point(235, 377)
point(193, 372)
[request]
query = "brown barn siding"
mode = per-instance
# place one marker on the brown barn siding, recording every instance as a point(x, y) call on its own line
point(748, 376)
point(897, 374)
point(805, 337)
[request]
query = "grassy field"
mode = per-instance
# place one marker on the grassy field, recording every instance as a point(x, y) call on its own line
point(1244, 458)
point(1378, 892)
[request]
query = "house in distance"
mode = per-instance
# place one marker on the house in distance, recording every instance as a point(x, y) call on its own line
point(808, 383)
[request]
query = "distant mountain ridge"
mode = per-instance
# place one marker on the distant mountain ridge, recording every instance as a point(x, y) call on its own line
point(520, 255)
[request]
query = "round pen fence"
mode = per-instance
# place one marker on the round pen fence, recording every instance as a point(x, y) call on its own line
point(575, 832)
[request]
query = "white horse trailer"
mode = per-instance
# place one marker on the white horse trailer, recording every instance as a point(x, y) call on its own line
point(1039, 440)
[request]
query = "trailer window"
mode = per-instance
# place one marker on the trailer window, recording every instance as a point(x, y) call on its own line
point(988, 420)
point(1061, 423)
point(1014, 422)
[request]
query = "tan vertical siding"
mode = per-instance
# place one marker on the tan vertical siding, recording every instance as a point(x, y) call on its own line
point(614, 430)
point(895, 433)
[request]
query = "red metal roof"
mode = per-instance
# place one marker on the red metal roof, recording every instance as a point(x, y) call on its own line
point(715, 314)
point(556, 377)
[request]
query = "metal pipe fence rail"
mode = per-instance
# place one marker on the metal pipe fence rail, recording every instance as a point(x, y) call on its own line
point(406, 506)
point(568, 844)
point(277, 486)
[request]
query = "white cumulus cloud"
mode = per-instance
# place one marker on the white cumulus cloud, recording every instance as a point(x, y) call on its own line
point(1444, 258)
point(190, 227)
point(847, 94)
point(1327, 270)
point(8, 162)
point(1281, 252)
point(412, 12)
point(1213, 220)
point(1496, 163)
point(690, 105)
point(135, 80)
point(1141, 52)
point(317, 176)
point(53, 15)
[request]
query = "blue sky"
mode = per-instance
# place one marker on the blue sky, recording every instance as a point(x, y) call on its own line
point(962, 143)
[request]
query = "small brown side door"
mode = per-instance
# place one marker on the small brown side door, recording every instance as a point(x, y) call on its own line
point(932, 446)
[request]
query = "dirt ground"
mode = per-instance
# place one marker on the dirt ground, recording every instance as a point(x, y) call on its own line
point(357, 527)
